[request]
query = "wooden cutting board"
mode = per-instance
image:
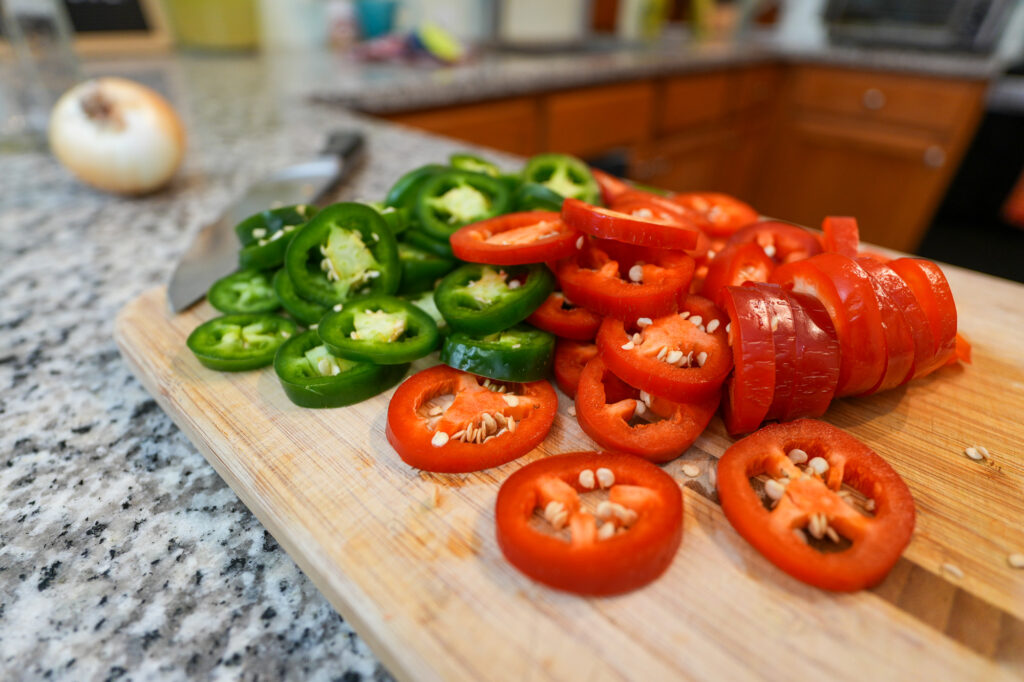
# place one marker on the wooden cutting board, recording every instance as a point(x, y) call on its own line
point(409, 558)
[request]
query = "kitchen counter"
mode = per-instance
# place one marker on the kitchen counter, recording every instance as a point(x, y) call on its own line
point(122, 554)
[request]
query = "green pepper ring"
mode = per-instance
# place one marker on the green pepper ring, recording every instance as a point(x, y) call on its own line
point(405, 190)
point(495, 191)
point(273, 220)
point(205, 339)
point(308, 389)
point(420, 268)
point(223, 297)
point(441, 248)
point(306, 312)
point(336, 327)
point(452, 299)
point(533, 196)
point(540, 168)
point(311, 283)
point(499, 360)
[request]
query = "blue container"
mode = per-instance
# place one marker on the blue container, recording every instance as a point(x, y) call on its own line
point(375, 17)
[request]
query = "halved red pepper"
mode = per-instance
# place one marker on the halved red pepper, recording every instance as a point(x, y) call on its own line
point(674, 356)
point(609, 224)
point(595, 281)
point(817, 358)
point(724, 214)
point(782, 242)
point(841, 235)
point(485, 425)
point(749, 390)
point(611, 425)
point(515, 239)
point(932, 292)
point(846, 290)
point(734, 265)
point(864, 545)
point(560, 317)
point(641, 522)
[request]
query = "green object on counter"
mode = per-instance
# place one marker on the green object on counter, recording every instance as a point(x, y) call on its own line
point(519, 354)
point(220, 25)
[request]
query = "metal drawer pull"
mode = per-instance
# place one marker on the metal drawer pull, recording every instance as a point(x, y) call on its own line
point(935, 156)
point(873, 99)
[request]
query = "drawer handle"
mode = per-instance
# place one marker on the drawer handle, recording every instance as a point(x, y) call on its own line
point(873, 99)
point(935, 156)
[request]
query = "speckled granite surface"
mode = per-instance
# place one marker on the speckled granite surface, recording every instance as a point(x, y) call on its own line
point(122, 553)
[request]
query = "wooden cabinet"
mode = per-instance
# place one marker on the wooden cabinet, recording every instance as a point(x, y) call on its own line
point(511, 125)
point(878, 146)
point(592, 121)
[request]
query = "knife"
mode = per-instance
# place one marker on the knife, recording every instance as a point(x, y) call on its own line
point(213, 252)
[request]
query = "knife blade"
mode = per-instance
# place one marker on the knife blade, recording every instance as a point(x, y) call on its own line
point(213, 252)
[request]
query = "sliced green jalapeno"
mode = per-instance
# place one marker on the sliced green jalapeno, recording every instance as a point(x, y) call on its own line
point(518, 354)
point(563, 174)
point(471, 162)
point(381, 329)
point(346, 250)
point(398, 219)
point(245, 291)
point(306, 312)
point(234, 343)
point(425, 302)
point(266, 235)
point(312, 377)
point(483, 299)
point(454, 198)
point(405, 190)
point(421, 269)
point(531, 196)
point(441, 248)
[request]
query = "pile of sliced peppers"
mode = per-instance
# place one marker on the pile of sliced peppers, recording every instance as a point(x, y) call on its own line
point(558, 269)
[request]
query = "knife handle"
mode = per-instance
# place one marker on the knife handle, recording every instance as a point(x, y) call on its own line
point(344, 143)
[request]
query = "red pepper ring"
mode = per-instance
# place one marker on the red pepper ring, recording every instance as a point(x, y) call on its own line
point(611, 186)
point(643, 515)
point(932, 291)
point(782, 242)
point(565, 320)
point(605, 407)
point(676, 357)
point(609, 224)
point(724, 214)
point(570, 359)
point(750, 389)
point(841, 235)
point(735, 265)
point(817, 358)
point(515, 239)
point(812, 505)
point(482, 427)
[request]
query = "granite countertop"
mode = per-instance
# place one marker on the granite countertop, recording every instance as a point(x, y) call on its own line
point(122, 554)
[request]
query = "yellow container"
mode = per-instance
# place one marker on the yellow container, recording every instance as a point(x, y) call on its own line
point(215, 24)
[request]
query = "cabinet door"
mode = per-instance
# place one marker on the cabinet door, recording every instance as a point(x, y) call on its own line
point(688, 162)
point(891, 181)
point(510, 125)
point(595, 120)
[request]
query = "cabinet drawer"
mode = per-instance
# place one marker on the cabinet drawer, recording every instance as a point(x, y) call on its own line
point(690, 100)
point(510, 125)
point(598, 119)
point(940, 105)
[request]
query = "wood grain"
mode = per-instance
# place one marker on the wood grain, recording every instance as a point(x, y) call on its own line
point(409, 558)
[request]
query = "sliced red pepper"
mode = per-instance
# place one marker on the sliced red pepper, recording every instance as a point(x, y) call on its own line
point(609, 423)
point(783, 325)
point(641, 523)
point(674, 356)
point(628, 255)
point(484, 425)
point(560, 317)
point(515, 239)
point(645, 205)
point(570, 359)
point(799, 532)
point(734, 265)
point(841, 235)
point(724, 214)
point(963, 351)
point(818, 359)
point(782, 242)
point(846, 290)
point(611, 186)
point(595, 281)
point(749, 391)
point(899, 336)
point(609, 224)
point(932, 291)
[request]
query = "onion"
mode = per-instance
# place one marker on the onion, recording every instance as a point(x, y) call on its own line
point(117, 135)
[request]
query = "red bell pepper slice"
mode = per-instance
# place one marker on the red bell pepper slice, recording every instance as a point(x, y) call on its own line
point(609, 224)
point(623, 290)
point(570, 359)
point(641, 523)
point(608, 418)
point(560, 317)
point(749, 391)
point(782, 242)
point(674, 356)
point(515, 239)
point(806, 503)
point(734, 265)
point(932, 291)
point(783, 326)
point(841, 235)
point(895, 304)
point(963, 351)
point(484, 425)
point(849, 296)
point(611, 186)
point(725, 214)
point(818, 358)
